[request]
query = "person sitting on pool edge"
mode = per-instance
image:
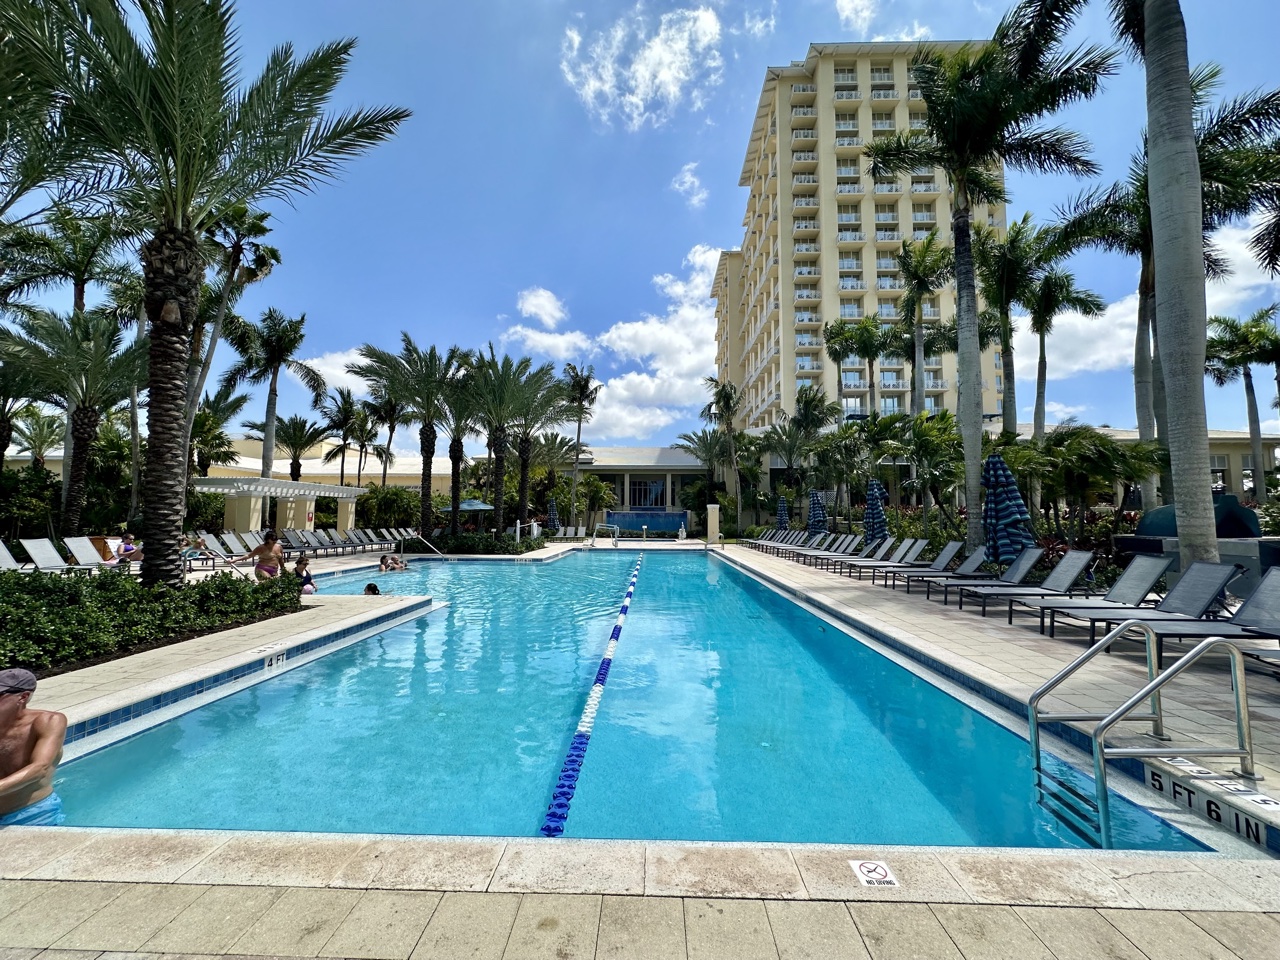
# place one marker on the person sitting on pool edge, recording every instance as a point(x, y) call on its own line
point(30, 750)
point(268, 559)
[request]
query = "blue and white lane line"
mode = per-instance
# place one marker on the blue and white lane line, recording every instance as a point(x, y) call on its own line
point(558, 811)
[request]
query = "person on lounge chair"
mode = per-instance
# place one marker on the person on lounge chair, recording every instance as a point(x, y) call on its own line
point(127, 551)
point(30, 750)
point(268, 559)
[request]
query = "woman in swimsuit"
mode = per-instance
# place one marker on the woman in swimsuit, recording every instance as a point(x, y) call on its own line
point(127, 551)
point(302, 569)
point(268, 559)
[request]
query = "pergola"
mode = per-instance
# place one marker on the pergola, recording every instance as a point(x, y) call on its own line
point(295, 501)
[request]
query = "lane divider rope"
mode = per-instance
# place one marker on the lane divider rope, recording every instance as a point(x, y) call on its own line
point(562, 796)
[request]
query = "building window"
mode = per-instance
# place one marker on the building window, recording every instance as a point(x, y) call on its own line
point(649, 493)
point(999, 406)
point(890, 405)
point(999, 384)
point(999, 362)
point(1246, 461)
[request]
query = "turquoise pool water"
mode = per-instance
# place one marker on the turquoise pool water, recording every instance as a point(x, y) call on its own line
point(730, 714)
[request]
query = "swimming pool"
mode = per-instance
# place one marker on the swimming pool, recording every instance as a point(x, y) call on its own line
point(731, 713)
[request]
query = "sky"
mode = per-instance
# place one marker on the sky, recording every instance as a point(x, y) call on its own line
point(570, 175)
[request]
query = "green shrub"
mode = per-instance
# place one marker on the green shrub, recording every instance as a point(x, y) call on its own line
point(47, 622)
point(484, 543)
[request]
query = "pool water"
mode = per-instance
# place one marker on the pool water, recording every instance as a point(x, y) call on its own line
point(730, 714)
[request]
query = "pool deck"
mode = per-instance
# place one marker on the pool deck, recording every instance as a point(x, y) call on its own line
point(75, 894)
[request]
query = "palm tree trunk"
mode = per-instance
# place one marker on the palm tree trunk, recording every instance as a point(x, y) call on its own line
point(172, 270)
point(427, 448)
point(968, 367)
point(871, 384)
point(524, 451)
point(917, 364)
point(1160, 408)
point(135, 427)
point(1042, 375)
point(1142, 371)
point(6, 438)
point(499, 477)
point(269, 427)
point(84, 425)
point(1009, 400)
point(68, 451)
point(1255, 437)
point(391, 434)
point(196, 387)
point(455, 481)
point(577, 458)
point(1177, 229)
point(295, 470)
point(342, 464)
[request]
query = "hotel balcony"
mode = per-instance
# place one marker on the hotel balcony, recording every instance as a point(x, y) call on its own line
point(849, 238)
point(883, 125)
point(932, 362)
point(805, 203)
point(931, 313)
point(930, 217)
point(804, 227)
point(937, 386)
point(807, 272)
point(803, 117)
point(848, 170)
point(803, 136)
point(896, 385)
point(924, 188)
point(848, 263)
point(918, 235)
point(808, 343)
point(804, 295)
point(803, 93)
point(890, 93)
point(851, 313)
point(849, 189)
point(848, 387)
point(846, 78)
point(890, 264)
point(890, 283)
point(804, 161)
point(852, 283)
point(886, 217)
point(848, 96)
point(808, 318)
point(848, 146)
point(888, 236)
point(808, 366)
point(804, 183)
point(888, 188)
point(847, 126)
point(806, 251)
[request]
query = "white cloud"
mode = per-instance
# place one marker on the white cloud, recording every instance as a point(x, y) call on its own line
point(1056, 412)
point(569, 345)
point(856, 15)
point(759, 25)
point(917, 31)
point(644, 76)
point(687, 184)
point(333, 367)
point(543, 305)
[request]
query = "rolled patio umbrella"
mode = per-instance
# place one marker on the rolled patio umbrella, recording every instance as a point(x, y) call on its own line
point(874, 525)
point(784, 515)
point(553, 519)
point(1006, 523)
point(817, 513)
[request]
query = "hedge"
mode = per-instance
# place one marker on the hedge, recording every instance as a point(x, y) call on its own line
point(49, 622)
point(487, 543)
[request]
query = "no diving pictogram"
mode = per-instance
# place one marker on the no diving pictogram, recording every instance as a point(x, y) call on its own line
point(873, 873)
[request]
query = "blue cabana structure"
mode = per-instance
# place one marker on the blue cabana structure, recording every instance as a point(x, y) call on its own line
point(553, 518)
point(784, 515)
point(817, 513)
point(1006, 524)
point(874, 525)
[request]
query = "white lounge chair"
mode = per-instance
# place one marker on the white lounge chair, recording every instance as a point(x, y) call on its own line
point(46, 557)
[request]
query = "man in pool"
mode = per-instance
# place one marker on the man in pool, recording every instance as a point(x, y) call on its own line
point(30, 750)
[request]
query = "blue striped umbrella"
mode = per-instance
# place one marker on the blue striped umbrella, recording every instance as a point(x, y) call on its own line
point(1006, 523)
point(553, 518)
point(784, 515)
point(874, 525)
point(817, 513)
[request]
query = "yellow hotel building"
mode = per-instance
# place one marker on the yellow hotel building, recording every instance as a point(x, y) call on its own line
point(822, 237)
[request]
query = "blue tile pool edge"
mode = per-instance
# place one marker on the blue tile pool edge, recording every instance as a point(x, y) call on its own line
point(259, 664)
point(1132, 768)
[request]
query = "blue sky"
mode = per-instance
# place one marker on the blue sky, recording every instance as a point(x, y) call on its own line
point(570, 174)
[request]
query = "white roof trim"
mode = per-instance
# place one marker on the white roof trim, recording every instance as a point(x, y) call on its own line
point(263, 486)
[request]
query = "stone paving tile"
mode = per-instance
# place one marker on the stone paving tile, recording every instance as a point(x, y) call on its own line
point(18, 953)
point(130, 919)
point(902, 931)
point(15, 893)
point(554, 925)
point(24, 849)
point(922, 877)
point(275, 860)
point(142, 856)
point(1250, 936)
point(1172, 884)
point(469, 926)
point(641, 928)
point(988, 932)
point(298, 924)
point(212, 923)
point(383, 924)
point(1007, 877)
point(814, 931)
point(412, 863)
point(1078, 933)
point(721, 872)
point(1256, 880)
point(59, 908)
point(68, 955)
point(728, 930)
point(1167, 935)
point(557, 867)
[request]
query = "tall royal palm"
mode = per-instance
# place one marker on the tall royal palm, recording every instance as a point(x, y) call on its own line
point(497, 391)
point(722, 410)
point(582, 395)
point(339, 410)
point(458, 418)
point(418, 378)
point(984, 107)
point(708, 448)
point(391, 411)
point(542, 407)
point(154, 92)
point(839, 343)
point(870, 341)
point(1054, 293)
point(925, 265)
point(267, 349)
point(1231, 350)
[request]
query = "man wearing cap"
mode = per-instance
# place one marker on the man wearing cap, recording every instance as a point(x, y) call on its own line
point(30, 748)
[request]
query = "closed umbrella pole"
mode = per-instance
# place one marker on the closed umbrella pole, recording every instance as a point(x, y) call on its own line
point(875, 526)
point(784, 515)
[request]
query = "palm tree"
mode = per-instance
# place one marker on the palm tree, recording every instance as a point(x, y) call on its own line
point(419, 379)
point(791, 442)
point(1053, 293)
point(210, 442)
point(339, 412)
point(709, 449)
point(80, 362)
point(1230, 354)
point(542, 408)
point(390, 411)
point(38, 432)
point(364, 436)
point(458, 418)
point(925, 266)
point(68, 247)
point(582, 395)
point(871, 341)
point(497, 392)
point(985, 104)
point(16, 390)
point(838, 341)
point(931, 444)
point(266, 350)
point(295, 435)
point(165, 110)
point(722, 410)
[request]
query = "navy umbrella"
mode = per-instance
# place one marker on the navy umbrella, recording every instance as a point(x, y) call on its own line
point(817, 513)
point(553, 519)
point(1006, 523)
point(874, 525)
point(784, 515)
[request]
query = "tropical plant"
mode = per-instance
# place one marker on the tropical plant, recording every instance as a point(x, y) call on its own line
point(542, 407)
point(813, 411)
point(267, 349)
point(722, 410)
point(38, 432)
point(985, 103)
point(80, 362)
point(296, 435)
point(870, 340)
point(68, 247)
point(1231, 350)
point(497, 390)
point(210, 442)
point(583, 392)
point(458, 418)
point(364, 437)
point(791, 442)
point(339, 411)
point(16, 390)
point(159, 102)
point(1053, 293)
point(925, 266)
point(390, 411)
point(838, 342)
point(708, 447)
point(932, 445)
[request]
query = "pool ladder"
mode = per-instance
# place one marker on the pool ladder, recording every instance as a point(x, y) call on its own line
point(1089, 817)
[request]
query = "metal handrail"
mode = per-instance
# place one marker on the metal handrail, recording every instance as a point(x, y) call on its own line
point(1244, 734)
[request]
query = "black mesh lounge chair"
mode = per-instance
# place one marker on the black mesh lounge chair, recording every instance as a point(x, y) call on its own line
point(769, 536)
point(1059, 582)
point(818, 544)
point(805, 541)
point(868, 548)
point(939, 563)
point(1189, 599)
point(969, 569)
point(846, 550)
point(291, 539)
point(834, 544)
point(1131, 590)
point(1016, 572)
point(883, 547)
point(907, 554)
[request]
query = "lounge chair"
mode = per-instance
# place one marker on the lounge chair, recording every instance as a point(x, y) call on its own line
point(970, 568)
point(1188, 599)
point(355, 538)
point(1130, 590)
point(46, 558)
point(87, 556)
point(869, 547)
point(842, 550)
point(796, 538)
point(333, 541)
point(294, 540)
point(907, 555)
point(939, 563)
point(6, 559)
point(1016, 572)
point(320, 546)
point(819, 543)
point(769, 536)
point(1058, 583)
point(237, 546)
point(876, 555)
point(251, 540)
